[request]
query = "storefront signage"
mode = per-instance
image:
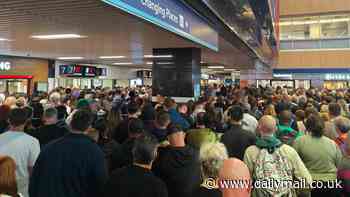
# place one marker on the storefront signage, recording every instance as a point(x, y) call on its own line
point(337, 76)
point(5, 65)
point(174, 16)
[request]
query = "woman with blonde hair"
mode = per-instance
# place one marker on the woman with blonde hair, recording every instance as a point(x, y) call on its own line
point(211, 157)
point(8, 183)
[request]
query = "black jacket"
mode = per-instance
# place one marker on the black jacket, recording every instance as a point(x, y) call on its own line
point(122, 156)
point(237, 141)
point(134, 181)
point(70, 166)
point(48, 133)
point(179, 168)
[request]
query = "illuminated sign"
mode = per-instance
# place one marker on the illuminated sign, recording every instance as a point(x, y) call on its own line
point(338, 76)
point(174, 16)
point(289, 76)
point(5, 65)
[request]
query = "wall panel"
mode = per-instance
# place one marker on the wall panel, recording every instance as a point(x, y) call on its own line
point(314, 59)
point(302, 7)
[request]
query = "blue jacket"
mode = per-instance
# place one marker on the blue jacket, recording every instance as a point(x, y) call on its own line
point(177, 119)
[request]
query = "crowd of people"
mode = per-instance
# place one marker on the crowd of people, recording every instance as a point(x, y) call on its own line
point(122, 142)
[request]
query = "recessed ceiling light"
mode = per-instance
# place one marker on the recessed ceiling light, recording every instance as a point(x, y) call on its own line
point(157, 56)
point(149, 63)
point(4, 39)
point(229, 69)
point(216, 67)
point(70, 58)
point(164, 63)
point(112, 57)
point(123, 63)
point(57, 36)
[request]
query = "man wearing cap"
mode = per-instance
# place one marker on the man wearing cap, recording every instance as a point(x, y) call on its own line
point(178, 164)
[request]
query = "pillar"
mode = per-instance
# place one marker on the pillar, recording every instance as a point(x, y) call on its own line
point(176, 73)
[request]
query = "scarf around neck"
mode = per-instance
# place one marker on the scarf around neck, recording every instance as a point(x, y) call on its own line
point(271, 143)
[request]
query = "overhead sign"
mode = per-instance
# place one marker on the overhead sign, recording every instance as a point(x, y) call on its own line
point(81, 71)
point(174, 16)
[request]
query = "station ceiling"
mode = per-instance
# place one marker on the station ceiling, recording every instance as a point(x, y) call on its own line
point(107, 31)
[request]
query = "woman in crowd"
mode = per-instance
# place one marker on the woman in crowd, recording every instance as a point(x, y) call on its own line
point(320, 155)
point(211, 156)
point(8, 183)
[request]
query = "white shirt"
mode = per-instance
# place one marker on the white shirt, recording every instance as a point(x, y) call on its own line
point(24, 150)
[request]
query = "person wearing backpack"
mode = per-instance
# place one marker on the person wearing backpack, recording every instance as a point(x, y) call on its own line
point(285, 132)
point(270, 159)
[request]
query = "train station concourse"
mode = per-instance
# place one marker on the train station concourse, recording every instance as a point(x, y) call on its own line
point(174, 98)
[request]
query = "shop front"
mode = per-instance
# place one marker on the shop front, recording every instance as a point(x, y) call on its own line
point(335, 78)
point(23, 75)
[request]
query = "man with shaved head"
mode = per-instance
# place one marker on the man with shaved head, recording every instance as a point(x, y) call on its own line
point(269, 157)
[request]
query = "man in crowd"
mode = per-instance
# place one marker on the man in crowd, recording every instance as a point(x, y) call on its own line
point(71, 166)
point(178, 165)
point(183, 110)
point(285, 132)
point(235, 138)
point(271, 158)
point(121, 132)
point(342, 127)
point(61, 117)
point(175, 116)
point(137, 180)
point(122, 156)
point(159, 129)
point(50, 131)
point(21, 147)
point(249, 122)
point(334, 111)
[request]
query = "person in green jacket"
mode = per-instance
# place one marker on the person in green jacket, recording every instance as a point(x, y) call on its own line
point(200, 135)
point(285, 132)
